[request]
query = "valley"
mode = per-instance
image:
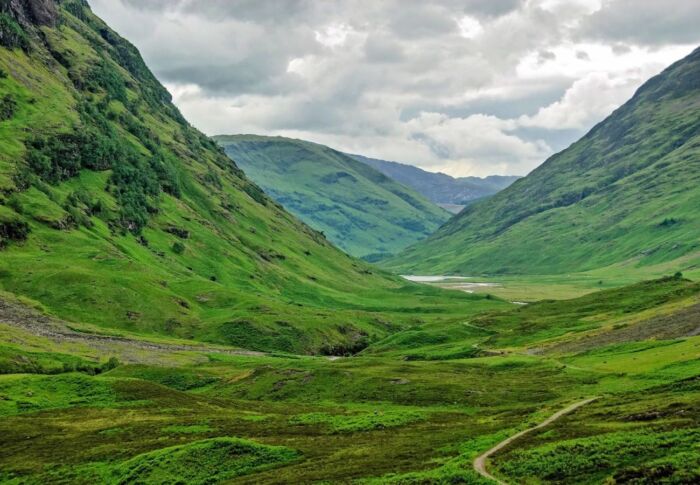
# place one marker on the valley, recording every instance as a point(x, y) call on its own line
point(418, 406)
point(176, 308)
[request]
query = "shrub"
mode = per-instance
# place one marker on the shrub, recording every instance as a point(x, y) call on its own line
point(134, 184)
point(255, 193)
point(12, 35)
point(166, 174)
point(668, 222)
point(13, 230)
point(61, 157)
point(178, 247)
point(112, 363)
point(77, 9)
point(178, 231)
point(104, 76)
point(8, 107)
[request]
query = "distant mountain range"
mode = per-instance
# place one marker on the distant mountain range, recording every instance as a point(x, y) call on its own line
point(358, 208)
point(448, 192)
point(626, 193)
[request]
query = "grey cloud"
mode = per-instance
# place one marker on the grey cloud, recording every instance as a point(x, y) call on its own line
point(544, 56)
point(152, 5)
point(245, 77)
point(439, 149)
point(399, 77)
point(645, 22)
point(268, 12)
point(383, 49)
point(490, 8)
point(247, 10)
point(557, 139)
point(413, 21)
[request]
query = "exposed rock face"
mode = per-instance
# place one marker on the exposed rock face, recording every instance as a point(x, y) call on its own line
point(38, 12)
point(44, 12)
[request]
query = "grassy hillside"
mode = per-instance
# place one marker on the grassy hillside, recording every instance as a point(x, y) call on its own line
point(444, 190)
point(136, 256)
point(115, 212)
point(358, 208)
point(626, 192)
point(417, 407)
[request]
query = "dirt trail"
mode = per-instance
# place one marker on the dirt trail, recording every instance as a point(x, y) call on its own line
point(36, 323)
point(480, 461)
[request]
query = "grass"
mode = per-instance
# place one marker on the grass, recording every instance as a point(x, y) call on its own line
point(200, 462)
point(422, 380)
point(381, 417)
point(619, 439)
point(581, 210)
point(216, 261)
point(359, 209)
point(377, 419)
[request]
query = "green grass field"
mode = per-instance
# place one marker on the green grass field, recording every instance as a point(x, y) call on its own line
point(412, 408)
point(162, 320)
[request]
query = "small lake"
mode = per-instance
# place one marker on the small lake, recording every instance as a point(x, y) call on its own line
point(433, 279)
point(461, 283)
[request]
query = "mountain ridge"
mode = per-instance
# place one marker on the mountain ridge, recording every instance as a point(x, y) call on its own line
point(452, 193)
point(359, 208)
point(580, 209)
point(115, 212)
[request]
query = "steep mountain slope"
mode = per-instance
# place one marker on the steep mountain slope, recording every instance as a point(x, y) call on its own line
point(361, 210)
point(115, 212)
point(448, 192)
point(628, 192)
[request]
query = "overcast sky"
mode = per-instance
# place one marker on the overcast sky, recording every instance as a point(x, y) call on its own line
point(466, 87)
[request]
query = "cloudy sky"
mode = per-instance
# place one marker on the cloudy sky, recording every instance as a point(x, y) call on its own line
point(466, 87)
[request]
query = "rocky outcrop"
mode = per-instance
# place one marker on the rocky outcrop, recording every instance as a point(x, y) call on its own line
point(36, 12)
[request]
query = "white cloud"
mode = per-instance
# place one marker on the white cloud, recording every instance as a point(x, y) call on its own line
point(588, 100)
point(333, 35)
point(469, 27)
point(462, 86)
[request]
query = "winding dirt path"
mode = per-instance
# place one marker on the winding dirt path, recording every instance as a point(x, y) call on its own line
point(480, 461)
point(36, 323)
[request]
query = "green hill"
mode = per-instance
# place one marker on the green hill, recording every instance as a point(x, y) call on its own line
point(115, 212)
point(625, 194)
point(135, 254)
point(360, 209)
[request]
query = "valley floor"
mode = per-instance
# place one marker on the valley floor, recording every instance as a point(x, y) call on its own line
point(419, 406)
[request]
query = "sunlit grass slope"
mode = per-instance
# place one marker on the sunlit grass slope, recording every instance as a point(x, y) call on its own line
point(115, 211)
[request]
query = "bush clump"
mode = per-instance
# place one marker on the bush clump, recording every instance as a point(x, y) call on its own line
point(8, 107)
point(12, 36)
point(136, 180)
point(178, 247)
point(13, 230)
point(104, 76)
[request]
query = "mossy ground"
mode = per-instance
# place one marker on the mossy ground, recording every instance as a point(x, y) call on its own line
point(406, 410)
